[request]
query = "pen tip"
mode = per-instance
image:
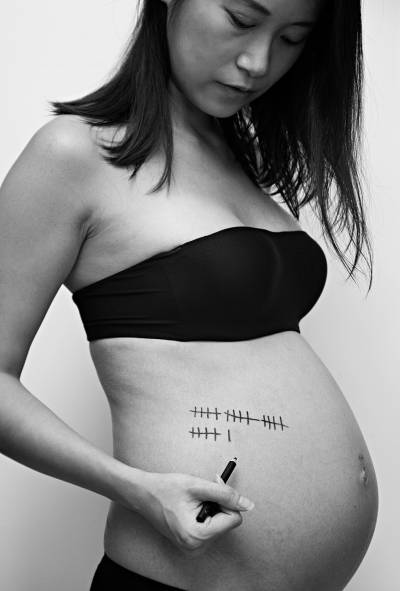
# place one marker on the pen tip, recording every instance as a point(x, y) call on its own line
point(235, 459)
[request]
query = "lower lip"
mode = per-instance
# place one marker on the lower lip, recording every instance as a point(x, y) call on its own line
point(234, 91)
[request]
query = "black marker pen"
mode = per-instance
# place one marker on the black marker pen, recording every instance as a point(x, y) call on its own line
point(210, 508)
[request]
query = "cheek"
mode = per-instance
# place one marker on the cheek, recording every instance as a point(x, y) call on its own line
point(197, 44)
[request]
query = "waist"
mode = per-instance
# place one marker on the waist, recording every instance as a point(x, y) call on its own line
point(275, 406)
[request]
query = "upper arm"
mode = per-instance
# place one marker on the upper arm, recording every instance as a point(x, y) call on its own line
point(43, 217)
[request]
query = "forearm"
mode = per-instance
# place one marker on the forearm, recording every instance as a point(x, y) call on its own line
point(31, 434)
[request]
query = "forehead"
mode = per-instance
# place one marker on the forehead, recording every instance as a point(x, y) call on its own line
point(281, 9)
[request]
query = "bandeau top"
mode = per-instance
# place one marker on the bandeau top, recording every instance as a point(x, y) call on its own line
point(234, 284)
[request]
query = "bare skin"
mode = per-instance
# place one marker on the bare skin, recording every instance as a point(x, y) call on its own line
point(302, 457)
point(305, 478)
point(152, 385)
point(313, 483)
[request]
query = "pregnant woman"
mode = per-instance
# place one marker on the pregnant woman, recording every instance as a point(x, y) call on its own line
point(151, 200)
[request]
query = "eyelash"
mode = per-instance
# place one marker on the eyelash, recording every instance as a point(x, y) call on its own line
point(286, 40)
point(238, 22)
point(241, 25)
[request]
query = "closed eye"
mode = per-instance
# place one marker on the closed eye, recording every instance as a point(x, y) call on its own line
point(243, 25)
point(290, 42)
point(237, 22)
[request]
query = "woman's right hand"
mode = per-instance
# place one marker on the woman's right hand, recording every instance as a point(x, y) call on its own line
point(171, 503)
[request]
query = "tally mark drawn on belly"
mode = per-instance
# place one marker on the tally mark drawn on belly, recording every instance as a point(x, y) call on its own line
point(206, 433)
point(233, 416)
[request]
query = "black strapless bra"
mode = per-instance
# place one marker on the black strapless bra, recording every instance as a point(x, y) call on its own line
point(234, 284)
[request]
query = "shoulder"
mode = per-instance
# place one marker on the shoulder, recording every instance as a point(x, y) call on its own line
point(56, 169)
point(66, 139)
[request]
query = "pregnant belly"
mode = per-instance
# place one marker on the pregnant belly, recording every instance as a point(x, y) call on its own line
point(302, 459)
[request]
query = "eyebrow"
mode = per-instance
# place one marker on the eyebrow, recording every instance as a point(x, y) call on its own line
point(263, 10)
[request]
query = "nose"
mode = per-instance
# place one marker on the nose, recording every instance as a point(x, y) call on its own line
point(256, 59)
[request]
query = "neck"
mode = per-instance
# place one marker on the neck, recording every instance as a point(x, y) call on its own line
point(191, 123)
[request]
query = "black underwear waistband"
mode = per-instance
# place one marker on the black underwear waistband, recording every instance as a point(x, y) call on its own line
point(113, 576)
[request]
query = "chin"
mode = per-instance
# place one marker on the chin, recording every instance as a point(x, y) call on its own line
point(222, 111)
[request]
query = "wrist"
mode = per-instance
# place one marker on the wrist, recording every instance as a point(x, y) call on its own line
point(129, 486)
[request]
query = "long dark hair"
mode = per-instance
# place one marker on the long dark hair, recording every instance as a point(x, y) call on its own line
point(301, 138)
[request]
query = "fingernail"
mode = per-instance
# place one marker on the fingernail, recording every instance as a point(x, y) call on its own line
point(246, 504)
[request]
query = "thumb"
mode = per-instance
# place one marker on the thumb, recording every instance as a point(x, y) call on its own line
point(223, 495)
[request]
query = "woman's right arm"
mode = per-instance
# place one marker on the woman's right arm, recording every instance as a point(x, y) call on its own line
point(44, 220)
point(43, 223)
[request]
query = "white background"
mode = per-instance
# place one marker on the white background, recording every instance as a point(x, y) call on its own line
point(51, 531)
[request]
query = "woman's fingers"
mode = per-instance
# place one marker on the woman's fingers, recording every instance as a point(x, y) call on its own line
point(222, 494)
point(221, 523)
point(202, 534)
point(172, 502)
